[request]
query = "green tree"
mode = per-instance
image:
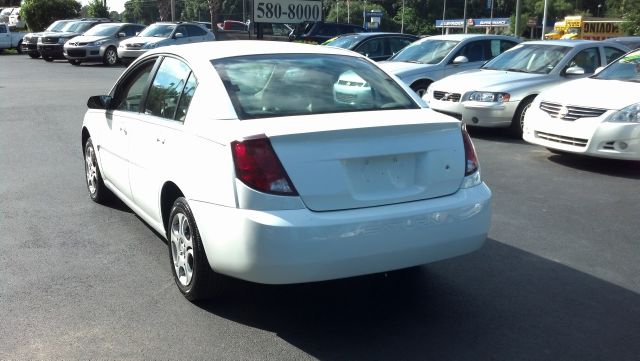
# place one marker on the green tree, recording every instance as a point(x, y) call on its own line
point(97, 9)
point(140, 11)
point(38, 14)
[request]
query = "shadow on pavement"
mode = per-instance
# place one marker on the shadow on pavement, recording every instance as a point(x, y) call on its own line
point(502, 135)
point(612, 167)
point(498, 303)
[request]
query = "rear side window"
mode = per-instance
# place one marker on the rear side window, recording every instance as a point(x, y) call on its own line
point(327, 29)
point(3, 29)
point(397, 44)
point(263, 86)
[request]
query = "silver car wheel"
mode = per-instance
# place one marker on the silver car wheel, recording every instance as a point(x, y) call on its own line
point(182, 248)
point(91, 169)
point(522, 114)
point(111, 56)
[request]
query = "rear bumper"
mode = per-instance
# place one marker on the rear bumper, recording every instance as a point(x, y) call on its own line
point(293, 246)
point(130, 54)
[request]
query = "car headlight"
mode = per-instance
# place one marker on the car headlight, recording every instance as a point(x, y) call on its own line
point(489, 97)
point(150, 45)
point(39, 40)
point(62, 40)
point(630, 114)
point(98, 43)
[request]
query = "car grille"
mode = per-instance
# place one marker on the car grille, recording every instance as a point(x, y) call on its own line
point(134, 46)
point(78, 44)
point(570, 112)
point(49, 40)
point(578, 142)
point(444, 96)
point(346, 98)
point(77, 53)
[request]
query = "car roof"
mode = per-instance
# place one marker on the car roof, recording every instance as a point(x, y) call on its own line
point(379, 33)
point(568, 43)
point(231, 48)
point(461, 37)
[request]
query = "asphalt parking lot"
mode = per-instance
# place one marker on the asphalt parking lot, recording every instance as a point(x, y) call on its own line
point(558, 279)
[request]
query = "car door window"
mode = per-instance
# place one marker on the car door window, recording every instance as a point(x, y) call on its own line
point(167, 88)
point(129, 30)
point(372, 48)
point(182, 29)
point(498, 47)
point(474, 51)
point(587, 59)
point(3, 29)
point(612, 54)
point(397, 44)
point(130, 91)
point(196, 31)
point(327, 30)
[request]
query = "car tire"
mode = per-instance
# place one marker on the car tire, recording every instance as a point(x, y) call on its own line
point(110, 57)
point(191, 270)
point(98, 192)
point(34, 55)
point(19, 47)
point(517, 122)
point(74, 61)
point(48, 58)
point(420, 87)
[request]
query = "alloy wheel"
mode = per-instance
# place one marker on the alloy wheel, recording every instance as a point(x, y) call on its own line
point(182, 248)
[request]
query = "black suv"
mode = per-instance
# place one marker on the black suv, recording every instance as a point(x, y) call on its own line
point(50, 45)
point(317, 32)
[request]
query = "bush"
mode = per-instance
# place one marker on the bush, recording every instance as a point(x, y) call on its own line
point(39, 14)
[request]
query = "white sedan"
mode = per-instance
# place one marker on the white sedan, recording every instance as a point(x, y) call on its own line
point(597, 116)
point(254, 161)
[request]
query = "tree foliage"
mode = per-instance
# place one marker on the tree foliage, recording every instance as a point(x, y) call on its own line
point(97, 9)
point(140, 11)
point(38, 14)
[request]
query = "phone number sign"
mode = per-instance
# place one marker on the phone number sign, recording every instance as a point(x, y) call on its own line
point(286, 11)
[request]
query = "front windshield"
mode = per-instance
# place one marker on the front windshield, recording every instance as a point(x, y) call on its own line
point(78, 27)
point(69, 26)
point(103, 30)
point(534, 58)
point(57, 25)
point(627, 68)
point(425, 52)
point(158, 30)
point(265, 86)
point(345, 42)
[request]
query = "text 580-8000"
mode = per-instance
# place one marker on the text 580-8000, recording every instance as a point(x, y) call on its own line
point(268, 11)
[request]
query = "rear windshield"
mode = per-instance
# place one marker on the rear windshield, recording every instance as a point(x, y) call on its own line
point(264, 86)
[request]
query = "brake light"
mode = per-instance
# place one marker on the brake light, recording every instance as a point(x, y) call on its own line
point(258, 166)
point(470, 157)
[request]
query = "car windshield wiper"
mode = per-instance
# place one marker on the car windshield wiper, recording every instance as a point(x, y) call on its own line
point(413, 61)
point(516, 70)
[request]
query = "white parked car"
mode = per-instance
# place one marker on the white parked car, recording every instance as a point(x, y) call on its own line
point(162, 34)
point(433, 58)
point(243, 156)
point(500, 93)
point(597, 116)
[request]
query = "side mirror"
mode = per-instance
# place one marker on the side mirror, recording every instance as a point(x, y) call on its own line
point(460, 59)
point(178, 36)
point(99, 102)
point(599, 69)
point(121, 35)
point(575, 70)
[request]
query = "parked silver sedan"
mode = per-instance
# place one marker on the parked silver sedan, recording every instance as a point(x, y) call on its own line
point(499, 94)
point(100, 43)
point(427, 60)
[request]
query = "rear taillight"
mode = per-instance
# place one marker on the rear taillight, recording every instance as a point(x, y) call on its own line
point(470, 157)
point(258, 166)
